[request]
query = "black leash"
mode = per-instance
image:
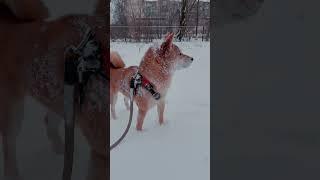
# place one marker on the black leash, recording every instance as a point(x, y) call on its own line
point(69, 92)
point(129, 122)
point(136, 83)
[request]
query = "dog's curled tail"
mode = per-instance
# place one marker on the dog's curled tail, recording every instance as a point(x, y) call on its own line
point(116, 60)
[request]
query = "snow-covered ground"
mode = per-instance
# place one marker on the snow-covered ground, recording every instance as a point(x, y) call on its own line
point(179, 150)
point(36, 159)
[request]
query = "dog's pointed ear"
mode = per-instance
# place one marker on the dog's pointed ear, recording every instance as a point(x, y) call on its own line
point(167, 44)
point(169, 35)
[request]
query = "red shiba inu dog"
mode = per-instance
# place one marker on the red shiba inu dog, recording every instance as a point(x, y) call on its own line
point(156, 68)
point(32, 63)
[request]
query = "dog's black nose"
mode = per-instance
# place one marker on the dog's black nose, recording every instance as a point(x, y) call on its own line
point(191, 59)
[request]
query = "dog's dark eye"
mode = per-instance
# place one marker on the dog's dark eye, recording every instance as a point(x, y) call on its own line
point(180, 54)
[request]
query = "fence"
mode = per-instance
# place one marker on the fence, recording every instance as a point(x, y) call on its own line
point(149, 33)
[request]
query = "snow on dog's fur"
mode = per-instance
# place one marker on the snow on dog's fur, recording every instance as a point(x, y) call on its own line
point(158, 66)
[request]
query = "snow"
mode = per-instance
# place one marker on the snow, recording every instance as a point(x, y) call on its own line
point(179, 149)
point(36, 159)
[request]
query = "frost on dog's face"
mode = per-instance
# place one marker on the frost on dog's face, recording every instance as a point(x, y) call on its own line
point(181, 60)
point(173, 55)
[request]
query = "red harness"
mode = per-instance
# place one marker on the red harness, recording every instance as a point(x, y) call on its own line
point(145, 82)
point(139, 80)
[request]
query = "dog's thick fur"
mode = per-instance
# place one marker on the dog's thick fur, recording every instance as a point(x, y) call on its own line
point(32, 63)
point(158, 66)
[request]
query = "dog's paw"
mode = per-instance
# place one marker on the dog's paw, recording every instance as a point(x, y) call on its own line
point(163, 123)
point(142, 131)
point(114, 116)
point(139, 129)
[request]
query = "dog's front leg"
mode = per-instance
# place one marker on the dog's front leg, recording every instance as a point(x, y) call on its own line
point(160, 108)
point(141, 115)
point(97, 167)
point(126, 102)
point(52, 122)
point(11, 171)
point(113, 106)
point(16, 111)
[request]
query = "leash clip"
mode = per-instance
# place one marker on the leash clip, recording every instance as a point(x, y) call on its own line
point(135, 84)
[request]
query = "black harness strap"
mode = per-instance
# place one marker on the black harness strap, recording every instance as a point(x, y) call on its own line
point(144, 82)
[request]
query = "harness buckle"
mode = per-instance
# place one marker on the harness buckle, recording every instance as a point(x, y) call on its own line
point(83, 61)
point(135, 84)
point(137, 81)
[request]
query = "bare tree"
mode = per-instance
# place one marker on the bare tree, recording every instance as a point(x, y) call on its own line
point(119, 19)
point(186, 7)
point(119, 12)
point(148, 19)
point(197, 18)
point(135, 14)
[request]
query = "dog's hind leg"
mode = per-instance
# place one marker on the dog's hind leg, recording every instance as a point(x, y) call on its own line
point(52, 122)
point(160, 108)
point(97, 167)
point(9, 138)
point(10, 162)
point(126, 102)
point(113, 106)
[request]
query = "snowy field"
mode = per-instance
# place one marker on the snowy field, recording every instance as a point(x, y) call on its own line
point(179, 150)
